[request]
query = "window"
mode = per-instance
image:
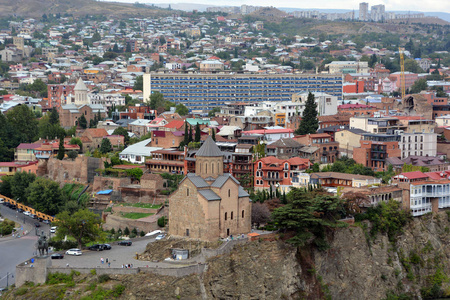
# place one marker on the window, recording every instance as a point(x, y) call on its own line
point(286, 175)
point(206, 167)
point(229, 193)
point(187, 192)
point(231, 216)
point(242, 214)
point(259, 165)
point(212, 168)
point(226, 216)
point(187, 232)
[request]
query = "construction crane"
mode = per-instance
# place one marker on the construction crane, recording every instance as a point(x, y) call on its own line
point(402, 72)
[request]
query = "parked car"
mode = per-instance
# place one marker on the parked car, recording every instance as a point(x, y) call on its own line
point(125, 243)
point(37, 224)
point(57, 256)
point(33, 216)
point(96, 247)
point(160, 237)
point(53, 229)
point(27, 213)
point(106, 247)
point(74, 251)
point(19, 210)
point(47, 222)
point(40, 219)
point(2, 201)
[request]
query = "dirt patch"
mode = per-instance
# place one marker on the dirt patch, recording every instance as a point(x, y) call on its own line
point(162, 249)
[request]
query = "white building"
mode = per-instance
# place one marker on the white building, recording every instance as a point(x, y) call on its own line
point(421, 144)
point(345, 67)
point(428, 196)
point(137, 153)
point(326, 103)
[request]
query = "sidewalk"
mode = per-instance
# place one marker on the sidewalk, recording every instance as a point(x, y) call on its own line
point(28, 229)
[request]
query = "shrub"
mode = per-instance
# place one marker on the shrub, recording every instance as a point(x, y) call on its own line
point(56, 278)
point(142, 233)
point(21, 291)
point(103, 278)
point(118, 290)
point(93, 272)
point(162, 222)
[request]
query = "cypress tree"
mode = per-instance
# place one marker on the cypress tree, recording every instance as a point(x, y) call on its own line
point(213, 134)
point(197, 133)
point(309, 123)
point(186, 134)
point(191, 138)
point(61, 149)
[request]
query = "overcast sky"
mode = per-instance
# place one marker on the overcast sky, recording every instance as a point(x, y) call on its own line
point(397, 5)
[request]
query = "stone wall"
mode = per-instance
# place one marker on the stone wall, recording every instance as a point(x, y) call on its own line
point(34, 272)
point(128, 209)
point(140, 195)
point(81, 170)
point(106, 183)
point(116, 222)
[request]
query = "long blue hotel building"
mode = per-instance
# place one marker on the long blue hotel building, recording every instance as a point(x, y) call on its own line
point(200, 91)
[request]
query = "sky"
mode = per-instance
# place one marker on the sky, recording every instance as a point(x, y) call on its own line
point(391, 5)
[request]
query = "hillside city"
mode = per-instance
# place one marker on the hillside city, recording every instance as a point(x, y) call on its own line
point(191, 133)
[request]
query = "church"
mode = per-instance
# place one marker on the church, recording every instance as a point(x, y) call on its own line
point(209, 204)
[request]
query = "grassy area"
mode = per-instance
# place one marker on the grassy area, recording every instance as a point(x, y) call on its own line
point(136, 215)
point(142, 205)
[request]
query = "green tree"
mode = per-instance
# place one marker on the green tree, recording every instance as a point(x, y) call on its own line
point(45, 196)
point(308, 215)
point(156, 100)
point(418, 86)
point(96, 37)
point(126, 231)
point(191, 136)
point(82, 122)
point(47, 130)
point(213, 134)
point(6, 186)
point(123, 132)
point(61, 150)
point(54, 117)
point(84, 226)
point(72, 154)
point(197, 133)
point(135, 173)
point(212, 112)
point(260, 150)
point(309, 123)
point(186, 134)
point(105, 146)
point(139, 84)
point(23, 120)
point(19, 183)
point(76, 141)
point(5, 153)
point(181, 109)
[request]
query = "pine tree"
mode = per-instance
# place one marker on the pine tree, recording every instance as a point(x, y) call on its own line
point(213, 134)
point(197, 133)
point(115, 48)
point(82, 122)
point(61, 149)
point(309, 123)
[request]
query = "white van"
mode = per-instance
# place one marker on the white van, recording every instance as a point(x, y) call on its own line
point(53, 229)
point(2, 200)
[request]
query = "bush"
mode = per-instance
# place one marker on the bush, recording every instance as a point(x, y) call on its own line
point(93, 272)
point(56, 278)
point(21, 291)
point(162, 222)
point(142, 233)
point(118, 290)
point(103, 278)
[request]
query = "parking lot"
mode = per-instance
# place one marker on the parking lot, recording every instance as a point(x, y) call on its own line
point(118, 255)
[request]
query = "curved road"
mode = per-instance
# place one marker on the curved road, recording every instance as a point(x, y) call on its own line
point(16, 250)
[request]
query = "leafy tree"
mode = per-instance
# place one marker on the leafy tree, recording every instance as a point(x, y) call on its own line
point(309, 215)
point(5, 152)
point(82, 122)
point(96, 37)
point(47, 130)
point(105, 146)
point(135, 173)
point(156, 100)
point(123, 132)
point(5, 186)
point(61, 150)
point(162, 221)
point(72, 154)
point(19, 183)
point(84, 226)
point(181, 109)
point(212, 112)
point(260, 214)
point(45, 196)
point(197, 133)
point(309, 123)
point(23, 120)
point(54, 117)
point(418, 86)
point(76, 141)
point(139, 84)
point(260, 150)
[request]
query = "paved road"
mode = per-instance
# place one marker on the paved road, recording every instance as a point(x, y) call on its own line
point(16, 250)
point(118, 255)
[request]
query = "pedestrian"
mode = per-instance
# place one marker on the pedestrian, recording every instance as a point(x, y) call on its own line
point(131, 265)
point(67, 265)
point(101, 260)
point(106, 260)
point(109, 264)
point(123, 266)
point(126, 267)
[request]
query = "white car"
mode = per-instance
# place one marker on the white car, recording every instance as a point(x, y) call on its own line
point(153, 232)
point(74, 252)
point(160, 237)
point(53, 229)
point(26, 213)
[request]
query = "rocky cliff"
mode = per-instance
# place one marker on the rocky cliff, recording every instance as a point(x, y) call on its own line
point(353, 268)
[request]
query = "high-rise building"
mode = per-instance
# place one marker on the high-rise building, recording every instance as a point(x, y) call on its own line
point(363, 11)
point(206, 91)
point(377, 13)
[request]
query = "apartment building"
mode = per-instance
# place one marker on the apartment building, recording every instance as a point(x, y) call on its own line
point(271, 171)
point(328, 149)
point(375, 149)
point(345, 67)
point(418, 144)
point(428, 196)
point(205, 91)
point(326, 103)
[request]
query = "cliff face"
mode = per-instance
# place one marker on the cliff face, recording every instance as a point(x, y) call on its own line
point(352, 268)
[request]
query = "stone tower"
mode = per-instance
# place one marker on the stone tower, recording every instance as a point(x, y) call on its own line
point(81, 93)
point(209, 160)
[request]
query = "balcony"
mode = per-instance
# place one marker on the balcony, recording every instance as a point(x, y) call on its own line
point(271, 179)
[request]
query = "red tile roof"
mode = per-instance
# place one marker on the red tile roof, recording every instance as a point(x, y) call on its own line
point(175, 124)
point(414, 175)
